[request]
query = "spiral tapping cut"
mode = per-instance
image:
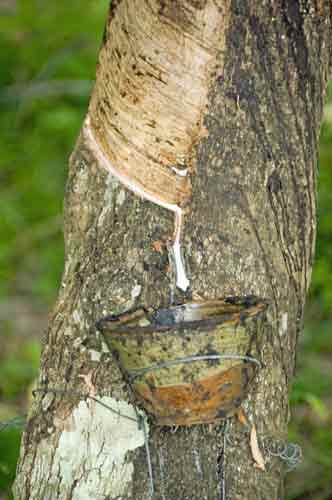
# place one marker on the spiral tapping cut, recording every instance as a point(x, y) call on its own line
point(147, 108)
point(182, 281)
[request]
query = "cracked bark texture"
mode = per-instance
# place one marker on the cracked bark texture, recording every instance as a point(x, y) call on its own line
point(249, 229)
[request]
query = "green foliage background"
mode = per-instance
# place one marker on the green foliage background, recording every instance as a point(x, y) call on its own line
point(47, 58)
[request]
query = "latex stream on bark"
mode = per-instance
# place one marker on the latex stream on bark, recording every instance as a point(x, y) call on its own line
point(182, 281)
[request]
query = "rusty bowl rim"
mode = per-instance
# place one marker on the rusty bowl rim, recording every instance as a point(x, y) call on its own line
point(249, 307)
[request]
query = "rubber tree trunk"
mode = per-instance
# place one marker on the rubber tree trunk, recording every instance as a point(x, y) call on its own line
point(231, 93)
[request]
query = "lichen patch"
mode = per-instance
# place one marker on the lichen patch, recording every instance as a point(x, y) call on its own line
point(93, 451)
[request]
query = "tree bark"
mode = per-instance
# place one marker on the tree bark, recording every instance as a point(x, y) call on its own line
point(233, 91)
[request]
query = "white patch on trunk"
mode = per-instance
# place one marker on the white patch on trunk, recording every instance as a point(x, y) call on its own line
point(121, 197)
point(104, 347)
point(197, 462)
point(91, 458)
point(111, 183)
point(76, 317)
point(136, 291)
point(94, 355)
point(284, 324)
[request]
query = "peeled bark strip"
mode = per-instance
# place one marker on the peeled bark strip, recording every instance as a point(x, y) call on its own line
point(233, 92)
point(152, 85)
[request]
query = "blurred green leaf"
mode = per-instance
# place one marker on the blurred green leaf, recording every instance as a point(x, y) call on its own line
point(48, 65)
point(317, 405)
point(9, 449)
point(19, 369)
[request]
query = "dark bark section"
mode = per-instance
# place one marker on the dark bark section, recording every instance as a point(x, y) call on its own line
point(250, 230)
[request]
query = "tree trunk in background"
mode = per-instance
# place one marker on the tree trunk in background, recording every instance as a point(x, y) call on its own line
point(233, 90)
